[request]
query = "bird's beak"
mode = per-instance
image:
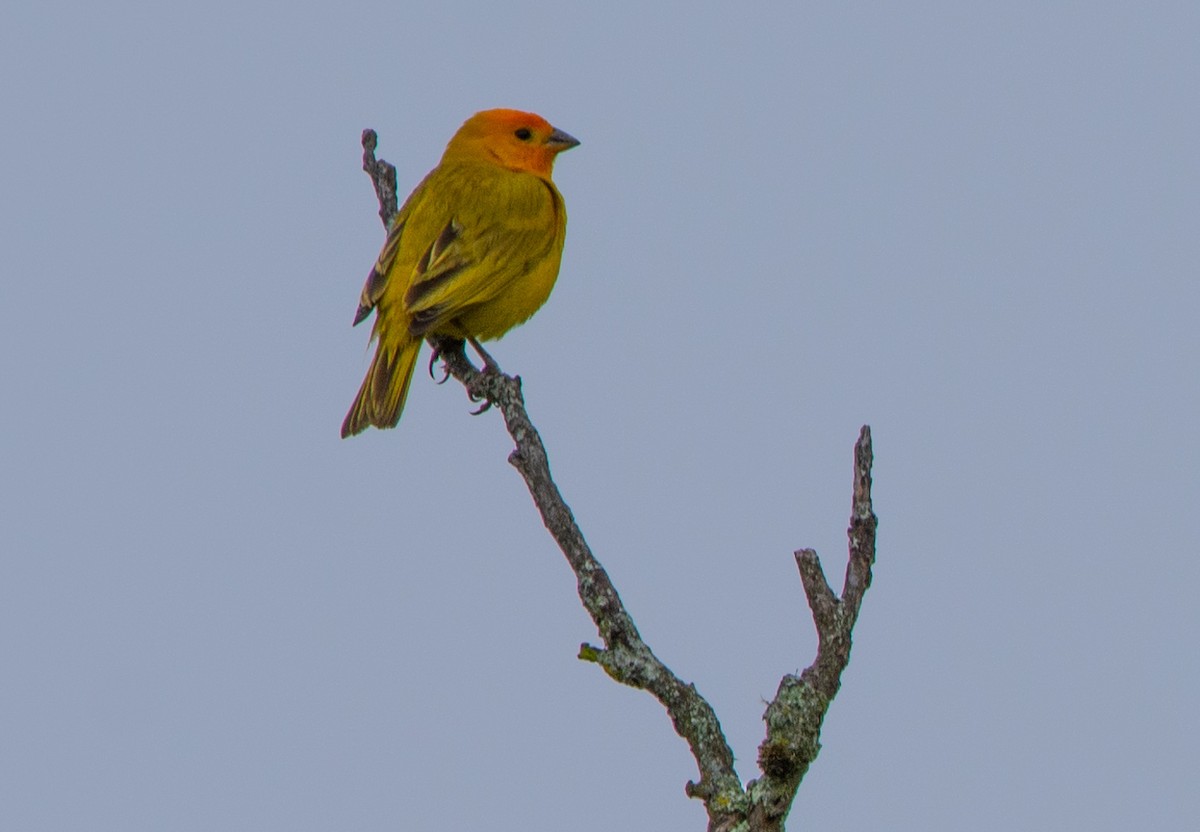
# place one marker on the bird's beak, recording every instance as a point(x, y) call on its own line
point(558, 141)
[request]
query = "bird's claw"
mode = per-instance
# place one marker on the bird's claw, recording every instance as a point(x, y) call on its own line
point(442, 346)
point(434, 356)
point(476, 396)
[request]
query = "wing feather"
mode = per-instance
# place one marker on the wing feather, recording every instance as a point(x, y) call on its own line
point(483, 248)
point(380, 275)
point(377, 279)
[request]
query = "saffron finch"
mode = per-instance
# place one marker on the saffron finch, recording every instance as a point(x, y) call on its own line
point(473, 252)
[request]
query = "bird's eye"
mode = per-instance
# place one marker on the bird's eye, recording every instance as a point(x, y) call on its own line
point(524, 134)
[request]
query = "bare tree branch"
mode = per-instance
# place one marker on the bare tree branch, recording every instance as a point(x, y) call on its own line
point(794, 717)
point(624, 656)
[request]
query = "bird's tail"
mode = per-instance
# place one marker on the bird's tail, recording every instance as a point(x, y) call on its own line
point(380, 400)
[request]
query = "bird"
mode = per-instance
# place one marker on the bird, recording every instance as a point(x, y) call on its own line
point(473, 252)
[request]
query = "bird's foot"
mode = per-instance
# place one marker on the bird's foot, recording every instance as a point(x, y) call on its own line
point(490, 368)
point(477, 395)
point(442, 346)
point(489, 363)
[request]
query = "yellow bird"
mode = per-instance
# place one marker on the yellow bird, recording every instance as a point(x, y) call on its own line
point(473, 252)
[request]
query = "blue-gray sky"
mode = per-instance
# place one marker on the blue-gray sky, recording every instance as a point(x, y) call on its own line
point(973, 226)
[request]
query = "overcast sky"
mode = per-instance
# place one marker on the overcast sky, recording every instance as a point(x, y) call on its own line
point(974, 226)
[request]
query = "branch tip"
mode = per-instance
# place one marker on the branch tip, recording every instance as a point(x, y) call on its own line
point(383, 177)
point(816, 588)
point(864, 460)
point(588, 653)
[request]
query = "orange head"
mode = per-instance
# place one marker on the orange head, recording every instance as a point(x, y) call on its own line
point(511, 139)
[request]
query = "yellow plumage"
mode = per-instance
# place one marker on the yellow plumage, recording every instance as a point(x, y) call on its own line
point(473, 252)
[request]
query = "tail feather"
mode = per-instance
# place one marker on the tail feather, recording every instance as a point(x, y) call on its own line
point(380, 400)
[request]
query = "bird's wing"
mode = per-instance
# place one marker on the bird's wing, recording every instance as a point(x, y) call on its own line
point(482, 246)
point(377, 280)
